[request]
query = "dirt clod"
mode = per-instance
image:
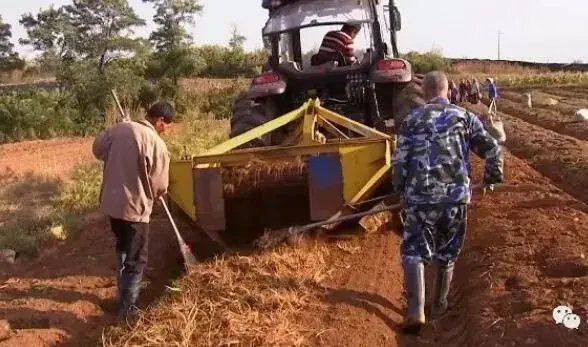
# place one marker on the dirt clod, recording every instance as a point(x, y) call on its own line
point(5, 330)
point(8, 256)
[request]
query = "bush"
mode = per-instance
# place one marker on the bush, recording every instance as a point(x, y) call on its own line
point(32, 115)
point(83, 192)
point(226, 62)
point(429, 61)
point(220, 102)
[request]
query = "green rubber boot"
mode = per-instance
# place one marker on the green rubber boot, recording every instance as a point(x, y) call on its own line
point(442, 286)
point(414, 281)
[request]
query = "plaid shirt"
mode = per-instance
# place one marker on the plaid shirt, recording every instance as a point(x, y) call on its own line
point(338, 42)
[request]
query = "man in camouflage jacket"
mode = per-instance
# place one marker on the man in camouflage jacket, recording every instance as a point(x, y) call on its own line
point(432, 171)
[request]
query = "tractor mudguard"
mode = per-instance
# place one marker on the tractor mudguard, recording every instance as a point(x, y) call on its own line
point(267, 84)
point(393, 70)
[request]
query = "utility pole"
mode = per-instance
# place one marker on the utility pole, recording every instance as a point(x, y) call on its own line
point(499, 33)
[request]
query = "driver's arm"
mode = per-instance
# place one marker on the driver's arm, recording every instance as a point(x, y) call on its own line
point(349, 53)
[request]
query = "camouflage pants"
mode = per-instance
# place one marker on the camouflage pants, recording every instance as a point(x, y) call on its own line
point(433, 232)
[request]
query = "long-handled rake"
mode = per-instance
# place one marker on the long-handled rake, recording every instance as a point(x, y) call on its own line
point(187, 255)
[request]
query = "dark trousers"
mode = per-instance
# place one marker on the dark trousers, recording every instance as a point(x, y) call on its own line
point(132, 241)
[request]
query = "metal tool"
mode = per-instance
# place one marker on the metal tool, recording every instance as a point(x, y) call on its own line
point(273, 238)
point(189, 259)
point(123, 116)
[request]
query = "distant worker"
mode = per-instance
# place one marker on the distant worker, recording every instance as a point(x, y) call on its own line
point(432, 171)
point(476, 93)
point(136, 171)
point(492, 95)
point(468, 90)
point(338, 46)
point(453, 92)
point(463, 91)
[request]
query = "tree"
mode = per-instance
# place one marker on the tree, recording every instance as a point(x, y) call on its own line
point(237, 40)
point(51, 31)
point(174, 57)
point(8, 58)
point(104, 28)
point(6, 46)
point(171, 16)
point(86, 29)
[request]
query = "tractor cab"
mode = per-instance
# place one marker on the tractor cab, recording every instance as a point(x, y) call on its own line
point(364, 91)
point(295, 29)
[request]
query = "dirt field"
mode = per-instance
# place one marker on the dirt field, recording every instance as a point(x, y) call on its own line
point(525, 254)
point(523, 257)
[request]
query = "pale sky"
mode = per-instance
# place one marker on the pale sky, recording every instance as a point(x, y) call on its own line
point(534, 30)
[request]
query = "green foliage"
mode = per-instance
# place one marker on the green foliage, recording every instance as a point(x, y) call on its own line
point(9, 59)
point(50, 32)
point(429, 61)
point(171, 16)
point(174, 58)
point(227, 62)
point(237, 40)
point(220, 102)
point(198, 134)
point(180, 62)
point(33, 115)
point(82, 194)
point(89, 46)
point(86, 29)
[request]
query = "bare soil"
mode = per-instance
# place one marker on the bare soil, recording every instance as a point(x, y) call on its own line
point(559, 118)
point(561, 158)
point(66, 295)
point(524, 256)
point(51, 158)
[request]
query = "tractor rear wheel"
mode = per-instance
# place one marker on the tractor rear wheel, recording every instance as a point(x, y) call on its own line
point(396, 100)
point(250, 113)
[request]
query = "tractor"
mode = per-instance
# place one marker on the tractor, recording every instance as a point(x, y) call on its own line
point(375, 91)
point(308, 143)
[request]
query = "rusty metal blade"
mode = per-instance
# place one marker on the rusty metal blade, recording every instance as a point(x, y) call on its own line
point(209, 199)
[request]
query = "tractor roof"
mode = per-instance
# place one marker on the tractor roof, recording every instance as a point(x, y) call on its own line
point(307, 13)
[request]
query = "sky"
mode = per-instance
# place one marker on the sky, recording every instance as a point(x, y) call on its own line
point(533, 30)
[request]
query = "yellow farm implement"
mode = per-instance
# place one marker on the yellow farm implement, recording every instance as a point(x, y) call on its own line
point(326, 166)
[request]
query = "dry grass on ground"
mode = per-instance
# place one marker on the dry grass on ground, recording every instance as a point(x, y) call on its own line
point(496, 68)
point(238, 300)
point(526, 80)
point(197, 134)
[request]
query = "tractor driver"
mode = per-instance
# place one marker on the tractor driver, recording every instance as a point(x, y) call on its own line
point(338, 46)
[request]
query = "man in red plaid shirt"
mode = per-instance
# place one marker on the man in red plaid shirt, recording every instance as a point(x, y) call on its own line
point(338, 46)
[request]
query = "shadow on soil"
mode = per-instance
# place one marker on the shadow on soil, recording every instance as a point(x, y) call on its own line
point(27, 209)
point(366, 301)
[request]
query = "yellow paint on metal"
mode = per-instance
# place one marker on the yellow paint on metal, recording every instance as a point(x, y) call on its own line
point(259, 131)
point(308, 125)
point(279, 153)
point(348, 123)
point(365, 161)
point(181, 186)
point(362, 164)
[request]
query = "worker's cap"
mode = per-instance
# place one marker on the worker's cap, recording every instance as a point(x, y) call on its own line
point(489, 79)
point(162, 109)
